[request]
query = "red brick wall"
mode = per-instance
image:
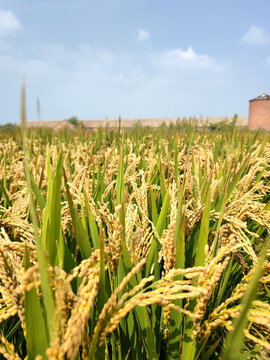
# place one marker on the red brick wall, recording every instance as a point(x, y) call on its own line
point(259, 114)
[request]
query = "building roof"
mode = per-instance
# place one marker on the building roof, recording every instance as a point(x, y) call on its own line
point(64, 125)
point(261, 97)
point(41, 124)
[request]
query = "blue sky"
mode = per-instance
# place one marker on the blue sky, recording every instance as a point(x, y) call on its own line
point(135, 58)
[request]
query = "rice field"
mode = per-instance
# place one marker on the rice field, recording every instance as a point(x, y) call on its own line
point(138, 244)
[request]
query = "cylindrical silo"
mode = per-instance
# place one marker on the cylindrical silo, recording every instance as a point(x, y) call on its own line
point(259, 113)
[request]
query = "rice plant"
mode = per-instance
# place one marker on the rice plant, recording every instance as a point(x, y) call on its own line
point(137, 244)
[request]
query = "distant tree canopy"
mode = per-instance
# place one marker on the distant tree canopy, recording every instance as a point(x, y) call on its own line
point(73, 120)
point(8, 127)
point(224, 125)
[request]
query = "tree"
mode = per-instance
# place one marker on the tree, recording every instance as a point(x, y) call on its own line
point(8, 127)
point(73, 120)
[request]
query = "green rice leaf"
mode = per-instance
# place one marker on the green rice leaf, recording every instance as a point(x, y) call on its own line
point(92, 223)
point(36, 335)
point(40, 199)
point(234, 340)
point(81, 236)
point(153, 206)
point(204, 231)
point(7, 200)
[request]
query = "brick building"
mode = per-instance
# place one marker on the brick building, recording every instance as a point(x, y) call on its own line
point(259, 113)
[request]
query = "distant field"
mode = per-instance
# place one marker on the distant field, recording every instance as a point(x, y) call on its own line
point(127, 123)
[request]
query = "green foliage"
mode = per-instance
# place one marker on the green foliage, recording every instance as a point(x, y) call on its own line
point(73, 120)
point(8, 128)
point(224, 125)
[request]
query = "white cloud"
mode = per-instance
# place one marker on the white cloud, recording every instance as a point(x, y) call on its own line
point(8, 22)
point(256, 36)
point(142, 35)
point(179, 59)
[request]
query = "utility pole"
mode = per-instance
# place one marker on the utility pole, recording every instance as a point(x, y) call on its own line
point(38, 109)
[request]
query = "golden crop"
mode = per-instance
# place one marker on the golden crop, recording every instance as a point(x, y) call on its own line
point(140, 245)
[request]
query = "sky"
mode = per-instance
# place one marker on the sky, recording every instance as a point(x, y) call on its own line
point(98, 59)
